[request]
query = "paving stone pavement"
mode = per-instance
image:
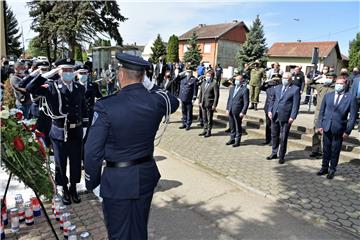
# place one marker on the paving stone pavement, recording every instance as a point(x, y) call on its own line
point(295, 183)
point(86, 216)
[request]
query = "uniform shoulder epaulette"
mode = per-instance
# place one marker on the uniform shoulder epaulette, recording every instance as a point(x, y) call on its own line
point(108, 96)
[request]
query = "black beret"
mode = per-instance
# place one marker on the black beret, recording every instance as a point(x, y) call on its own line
point(132, 62)
point(42, 64)
point(82, 67)
point(65, 62)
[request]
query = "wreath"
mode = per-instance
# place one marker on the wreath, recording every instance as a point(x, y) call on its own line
point(23, 152)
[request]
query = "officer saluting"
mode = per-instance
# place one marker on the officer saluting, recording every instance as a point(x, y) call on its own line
point(122, 133)
point(65, 105)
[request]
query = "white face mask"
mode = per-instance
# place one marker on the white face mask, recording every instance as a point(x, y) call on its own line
point(285, 81)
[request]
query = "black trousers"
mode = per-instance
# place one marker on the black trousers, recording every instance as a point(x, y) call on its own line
point(267, 128)
point(331, 150)
point(279, 134)
point(207, 114)
point(200, 117)
point(71, 149)
point(187, 113)
point(235, 125)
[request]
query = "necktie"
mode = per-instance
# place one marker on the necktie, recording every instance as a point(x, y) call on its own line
point(337, 99)
point(282, 92)
point(235, 91)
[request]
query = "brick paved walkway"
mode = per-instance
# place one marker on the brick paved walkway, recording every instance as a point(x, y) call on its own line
point(295, 183)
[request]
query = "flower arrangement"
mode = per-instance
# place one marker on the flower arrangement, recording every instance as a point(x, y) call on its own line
point(24, 153)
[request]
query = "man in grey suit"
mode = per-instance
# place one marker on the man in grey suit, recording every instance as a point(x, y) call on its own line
point(283, 109)
point(237, 105)
point(208, 100)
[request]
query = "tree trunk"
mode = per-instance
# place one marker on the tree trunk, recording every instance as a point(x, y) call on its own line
point(55, 43)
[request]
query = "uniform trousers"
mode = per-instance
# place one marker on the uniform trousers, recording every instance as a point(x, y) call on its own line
point(207, 114)
point(187, 113)
point(254, 94)
point(332, 147)
point(71, 149)
point(316, 138)
point(279, 135)
point(235, 125)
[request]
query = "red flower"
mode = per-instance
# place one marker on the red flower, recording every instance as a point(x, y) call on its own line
point(19, 115)
point(39, 134)
point(19, 143)
point(33, 127)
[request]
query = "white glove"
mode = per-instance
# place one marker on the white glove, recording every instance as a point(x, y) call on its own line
point(35, 73)
point(51, 73)
point(147, 83)
point(182, 74)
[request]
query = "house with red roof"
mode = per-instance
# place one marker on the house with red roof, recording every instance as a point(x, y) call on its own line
point(292, 54)
point(219, 43)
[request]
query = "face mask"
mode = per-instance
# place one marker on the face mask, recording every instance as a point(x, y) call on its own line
point(328, 81)
point(208, 79)
point(68, 76)
point(237, 82)
point(285, 81)
point(83, 78)
point(339, 88)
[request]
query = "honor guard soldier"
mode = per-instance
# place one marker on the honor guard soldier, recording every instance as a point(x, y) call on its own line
point(64, 103)
point(122, 133)
point(92, 92)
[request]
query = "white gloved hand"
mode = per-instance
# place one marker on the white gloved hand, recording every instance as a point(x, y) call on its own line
point(147, 83)
point(35, 72)
point(51, 73)
point(182, 74)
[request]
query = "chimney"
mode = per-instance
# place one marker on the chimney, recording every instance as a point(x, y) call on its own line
point(201, 25)
point(235, 21)
point(299, 40)
point(134, 43)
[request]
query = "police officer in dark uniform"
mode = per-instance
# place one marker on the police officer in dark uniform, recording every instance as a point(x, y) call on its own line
point(187, 95)
point(65, 105)
point(269, 87)
point(122, 133)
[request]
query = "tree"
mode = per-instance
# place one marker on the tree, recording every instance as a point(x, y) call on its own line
point(75, 22)
point(35, 48)
point(193, 54)
point(78, 53)
point(173, 49)
point(158, 49)
point(354, 52)
point(254, 47)
point(12, 33)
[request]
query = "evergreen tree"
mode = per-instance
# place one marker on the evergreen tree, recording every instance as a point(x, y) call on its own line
point(193, 54)
point(254, 47)
point(173, 49)
point(158, 49)
point(78, 53)
point(12, 33)
point(354, 52)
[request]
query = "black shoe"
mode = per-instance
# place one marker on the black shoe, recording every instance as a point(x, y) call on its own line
point(74, 194)
point(322, 172)
point(272, 156)
point(182, 127)
point(331, 175)
point(281, 161)
point(236, 144)
point(227, 130)
point(203, 133)
point(66, 196)
point(230, 142)
point(187, 128)
point(255, 106)
point(208, 134)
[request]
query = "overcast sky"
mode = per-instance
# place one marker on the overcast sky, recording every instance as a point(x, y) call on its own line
point(317, 21)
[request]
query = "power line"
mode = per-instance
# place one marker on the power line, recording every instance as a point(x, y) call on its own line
point(329, 34)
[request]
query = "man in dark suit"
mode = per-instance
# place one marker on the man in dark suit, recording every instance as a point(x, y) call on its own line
point(355, 91)
point(237, 105)
point(283, 110)
point(208, 100)
point(336, 120)
point(160, 70)
point(131, 175)
point(187, 95)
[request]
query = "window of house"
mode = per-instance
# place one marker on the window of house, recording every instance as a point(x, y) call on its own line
point(207, 48)
point(186, 48)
